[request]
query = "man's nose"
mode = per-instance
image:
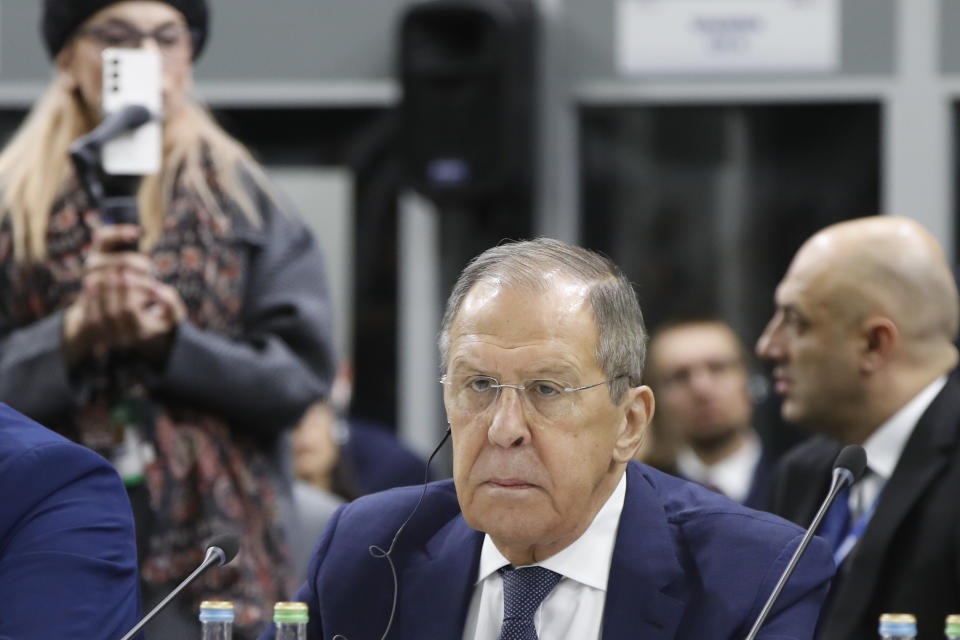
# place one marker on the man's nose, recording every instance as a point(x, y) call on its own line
point(508, 426)
point(701, 379)
point(767, 346)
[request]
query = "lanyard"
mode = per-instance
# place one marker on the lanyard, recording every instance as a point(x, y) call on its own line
point(855, 533)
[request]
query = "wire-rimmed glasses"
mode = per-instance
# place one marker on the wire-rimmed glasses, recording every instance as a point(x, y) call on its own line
point(175, 41)
point(475, 394)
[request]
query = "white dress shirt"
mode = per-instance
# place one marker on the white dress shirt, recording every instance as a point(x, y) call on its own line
point(732, 476)
point(885, 446)
point(574, 609)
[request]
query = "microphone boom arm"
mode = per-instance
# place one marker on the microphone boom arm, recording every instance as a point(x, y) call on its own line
point(220, 553)
point(841, 478)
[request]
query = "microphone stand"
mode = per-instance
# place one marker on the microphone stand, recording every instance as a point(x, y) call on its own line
point(215, 555)
point(841, 478)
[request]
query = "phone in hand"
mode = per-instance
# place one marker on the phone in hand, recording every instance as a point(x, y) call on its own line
point(132, 76)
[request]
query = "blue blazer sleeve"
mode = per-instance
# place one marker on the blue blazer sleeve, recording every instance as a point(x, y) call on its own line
point(68, 558)
point(795, 614)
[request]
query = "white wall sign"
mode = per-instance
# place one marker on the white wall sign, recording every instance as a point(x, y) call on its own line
point(705, 36)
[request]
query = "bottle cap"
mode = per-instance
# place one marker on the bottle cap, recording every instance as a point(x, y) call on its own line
point(894, 624)
point(290, 612)
point(953, 625)
point(216, 611)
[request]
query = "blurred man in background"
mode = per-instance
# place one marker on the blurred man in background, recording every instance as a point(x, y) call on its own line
point(862, 347)
point(698, 370)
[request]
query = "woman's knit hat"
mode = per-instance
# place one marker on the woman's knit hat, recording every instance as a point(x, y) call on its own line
point(62, 17)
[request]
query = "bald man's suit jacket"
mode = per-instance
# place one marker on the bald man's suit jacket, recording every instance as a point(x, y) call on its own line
point(908, 560)
point(687, 564)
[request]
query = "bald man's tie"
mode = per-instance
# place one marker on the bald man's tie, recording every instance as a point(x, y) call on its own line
point(837, 521)
point(523, 591)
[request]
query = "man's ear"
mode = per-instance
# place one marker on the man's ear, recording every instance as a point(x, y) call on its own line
point(880, 338)
point(638, 411)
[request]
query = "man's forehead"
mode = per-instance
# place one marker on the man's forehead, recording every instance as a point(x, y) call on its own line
point(694, 343)
point(808, 278)
point(703, 334)
point(555, 320)
point(556, 296)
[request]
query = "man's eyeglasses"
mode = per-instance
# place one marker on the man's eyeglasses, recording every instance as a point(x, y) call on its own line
point(716, 368)
point(173, 40)
point(473, 394)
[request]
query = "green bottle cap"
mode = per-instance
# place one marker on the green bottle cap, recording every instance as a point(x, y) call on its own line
point(290, 612)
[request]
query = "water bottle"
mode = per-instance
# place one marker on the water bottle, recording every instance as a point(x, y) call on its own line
point(953, 627)
point(216, 620)
point(898, 626)
point(291, 620)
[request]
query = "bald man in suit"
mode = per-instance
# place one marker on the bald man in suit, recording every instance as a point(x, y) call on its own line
point(863, 352)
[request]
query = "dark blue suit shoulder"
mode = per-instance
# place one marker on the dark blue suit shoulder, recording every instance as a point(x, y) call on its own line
point(703, 518)
point(385, 511)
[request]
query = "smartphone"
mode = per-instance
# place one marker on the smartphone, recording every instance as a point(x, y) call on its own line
point(132, 76)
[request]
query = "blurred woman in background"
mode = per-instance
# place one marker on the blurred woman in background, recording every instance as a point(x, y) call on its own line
point(182, 359)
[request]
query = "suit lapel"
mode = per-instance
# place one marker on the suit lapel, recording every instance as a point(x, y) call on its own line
point(436, 586)
point(644, 594)
point(923, 459)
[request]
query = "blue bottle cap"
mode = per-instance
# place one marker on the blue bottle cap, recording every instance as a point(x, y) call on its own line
point(216, 611)
point(898, 624)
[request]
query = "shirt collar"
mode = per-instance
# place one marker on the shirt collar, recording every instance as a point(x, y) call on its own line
point(587, 560)
point(885, 445)
point(733, 475)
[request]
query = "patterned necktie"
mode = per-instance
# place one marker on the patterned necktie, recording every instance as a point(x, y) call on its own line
point(523, 591)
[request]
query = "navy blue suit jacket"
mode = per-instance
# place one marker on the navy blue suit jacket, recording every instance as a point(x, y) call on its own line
point(68, 556)
point(687, 564)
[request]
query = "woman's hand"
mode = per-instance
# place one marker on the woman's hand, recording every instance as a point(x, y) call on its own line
point(122, 305)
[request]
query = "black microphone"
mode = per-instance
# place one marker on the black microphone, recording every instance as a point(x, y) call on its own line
point(113, 125)
point(847, 469)
point(85, 150)
point(220, 550)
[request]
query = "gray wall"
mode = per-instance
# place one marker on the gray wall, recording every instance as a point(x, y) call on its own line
point(251, 40)
point(353, 40)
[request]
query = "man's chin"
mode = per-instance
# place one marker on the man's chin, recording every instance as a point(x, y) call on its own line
point(716, 438)
point(799, 415)
point(511, 517)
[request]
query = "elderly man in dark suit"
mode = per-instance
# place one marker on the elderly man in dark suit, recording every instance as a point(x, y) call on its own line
point(548, 530)
point(862, 347)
